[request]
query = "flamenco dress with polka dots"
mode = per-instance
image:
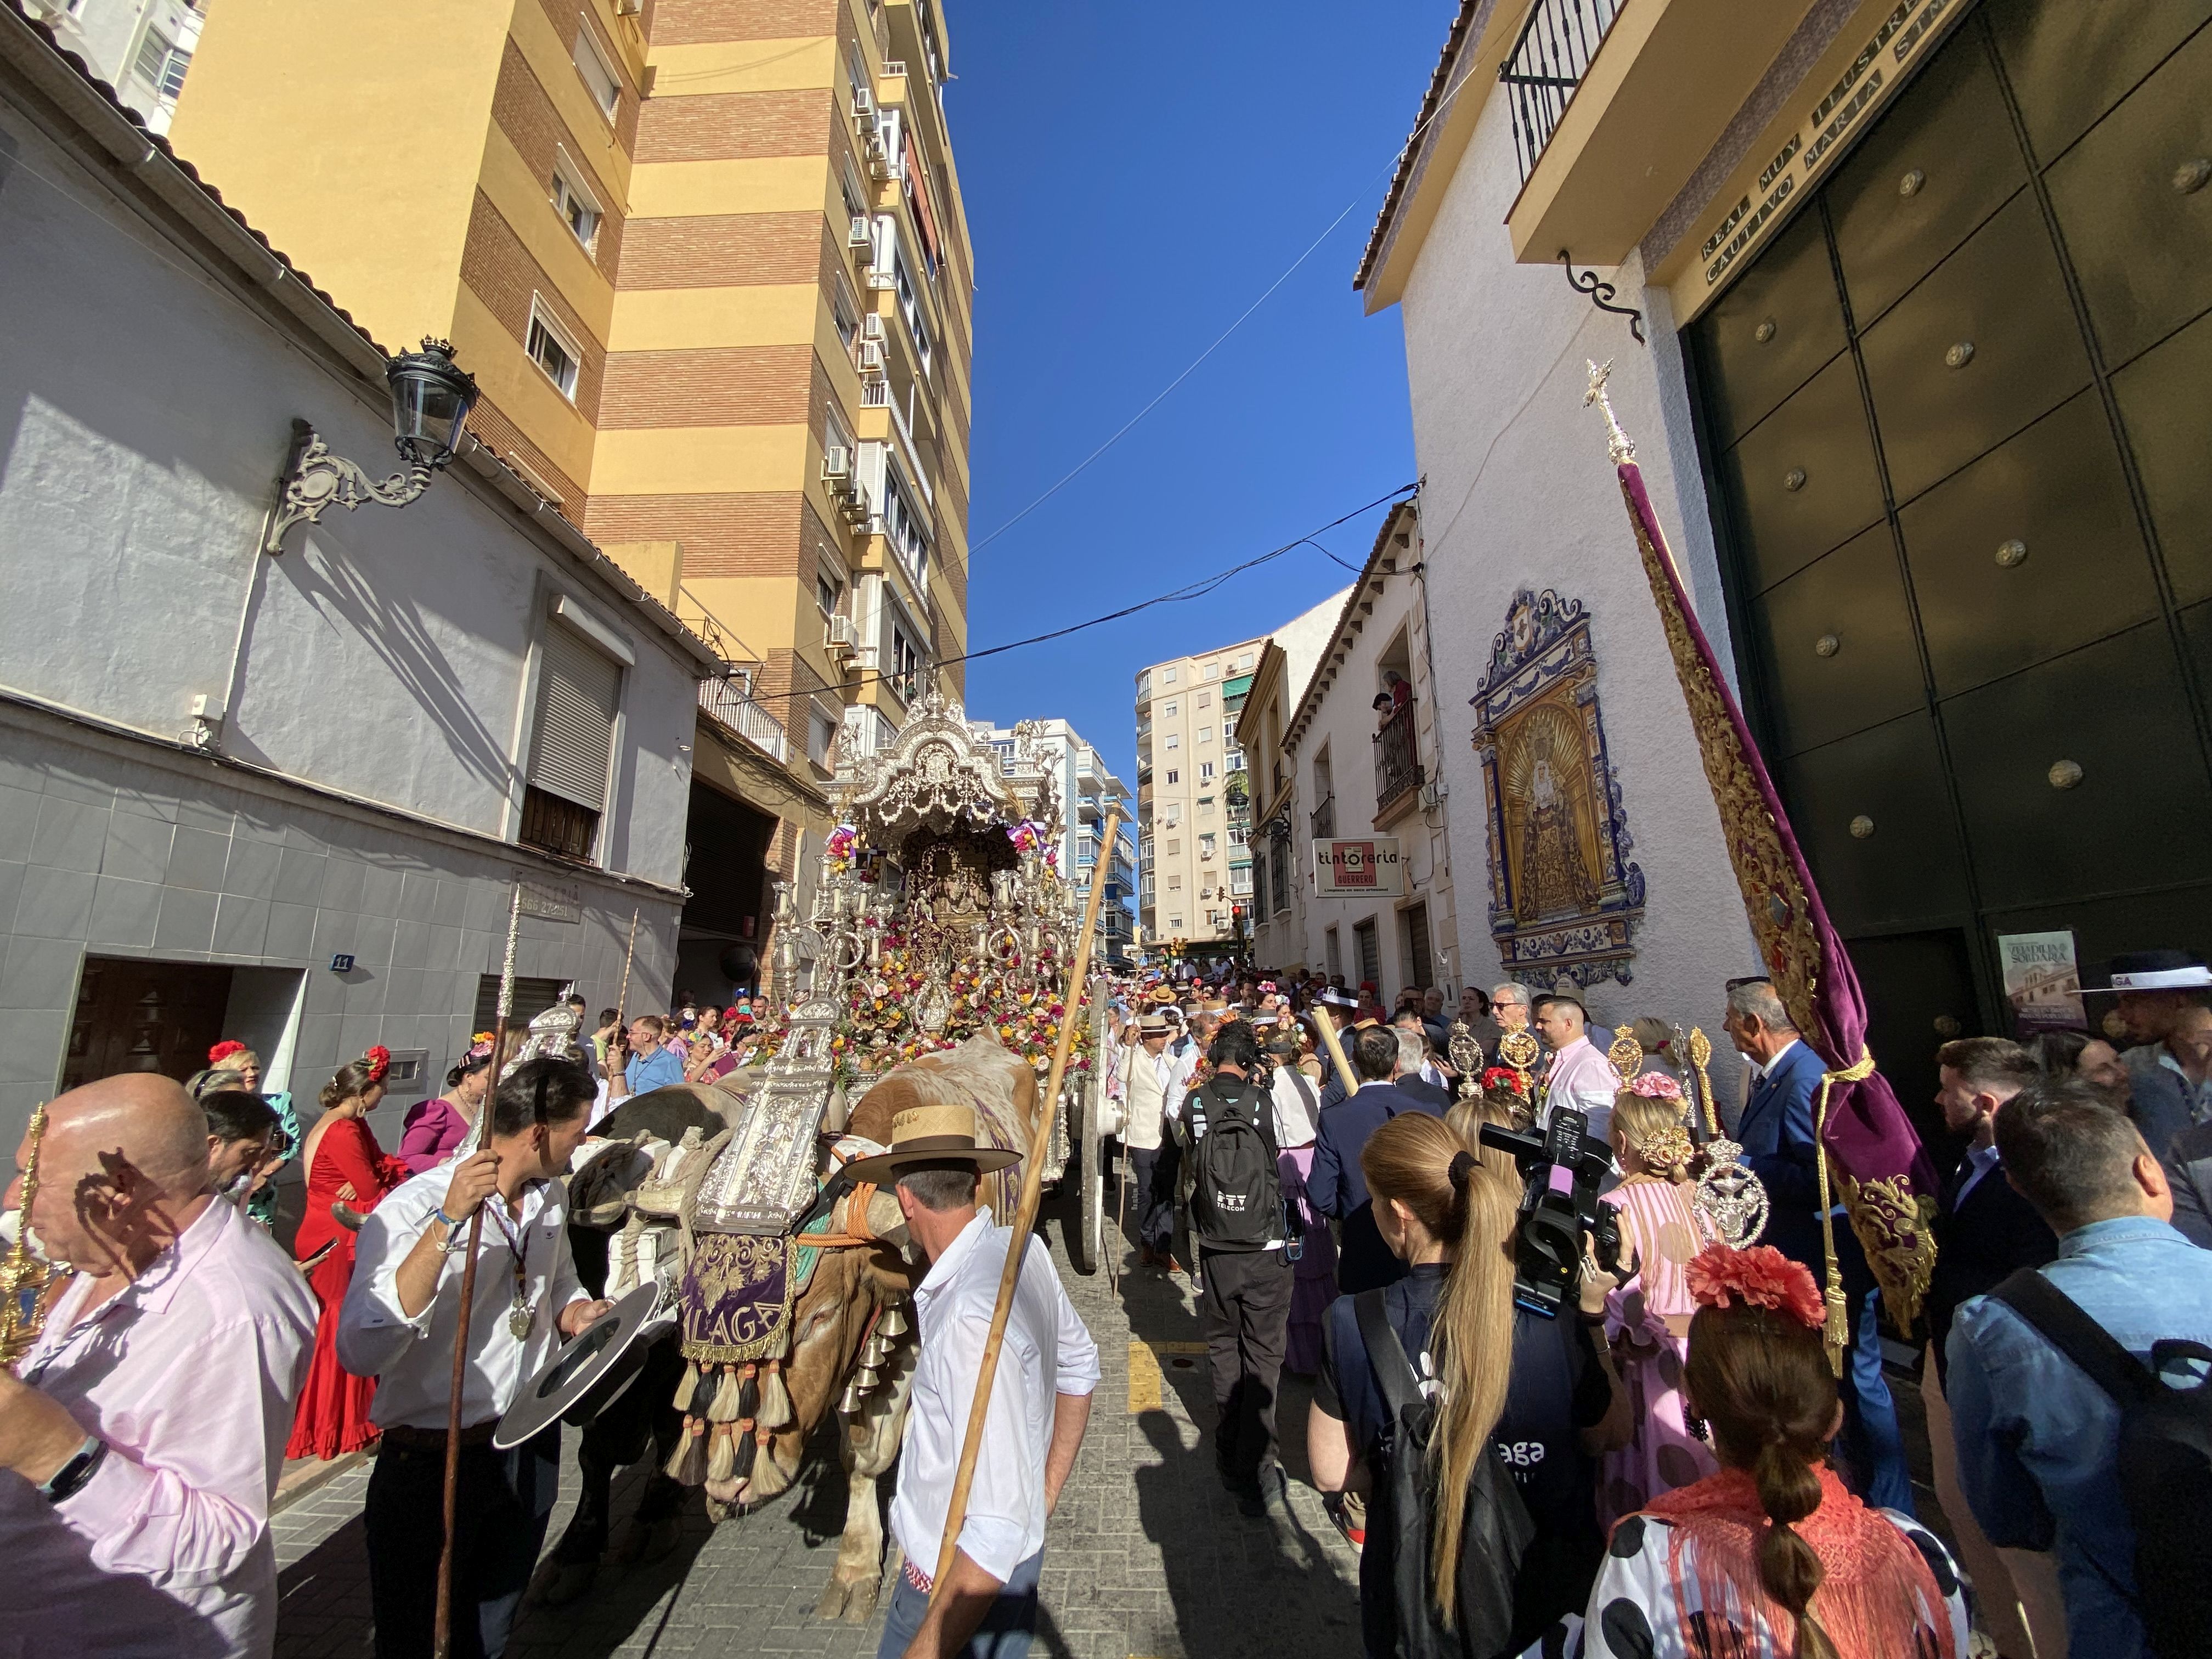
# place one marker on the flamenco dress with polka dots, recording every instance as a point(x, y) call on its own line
point(1647, 1323)
point(1681, 1581)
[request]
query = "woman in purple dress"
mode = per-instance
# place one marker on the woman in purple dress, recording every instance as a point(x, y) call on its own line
point(433, 1128)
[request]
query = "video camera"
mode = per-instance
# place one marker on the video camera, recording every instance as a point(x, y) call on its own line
point(1560, 1171)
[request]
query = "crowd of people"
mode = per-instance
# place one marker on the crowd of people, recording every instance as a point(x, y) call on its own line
point(1671, 1462)
point(1754, 1488)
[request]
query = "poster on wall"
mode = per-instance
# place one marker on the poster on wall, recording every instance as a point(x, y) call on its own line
point(1369, 867)
point(2042, 981)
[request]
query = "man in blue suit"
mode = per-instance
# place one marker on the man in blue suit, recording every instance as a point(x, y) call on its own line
point(1338, 1186)
point(1776, 1132)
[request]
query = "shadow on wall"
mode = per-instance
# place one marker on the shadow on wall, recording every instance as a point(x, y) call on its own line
point(392, 626)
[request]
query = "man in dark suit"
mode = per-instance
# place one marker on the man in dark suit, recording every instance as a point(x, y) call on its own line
point(1776, 1132)
point(1338, 1186)
point(1984, 1229)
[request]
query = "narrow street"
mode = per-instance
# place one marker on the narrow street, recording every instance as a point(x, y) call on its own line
point(1147, 1559)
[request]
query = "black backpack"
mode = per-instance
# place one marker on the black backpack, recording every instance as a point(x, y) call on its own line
point(1495, 1536)
point(1236, 1191)
point(2165, 1462)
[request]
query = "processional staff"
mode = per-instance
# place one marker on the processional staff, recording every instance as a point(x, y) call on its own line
point(955, 1514)
point(441, 1638)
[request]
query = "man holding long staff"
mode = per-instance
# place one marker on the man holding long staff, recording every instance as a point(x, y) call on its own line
point(972, 1525)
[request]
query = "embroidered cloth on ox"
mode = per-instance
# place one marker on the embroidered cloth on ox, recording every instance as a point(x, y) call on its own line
point(737, 1298)
point(1888, 1184)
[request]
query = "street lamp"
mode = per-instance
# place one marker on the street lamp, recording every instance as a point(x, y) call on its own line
point(431, 398)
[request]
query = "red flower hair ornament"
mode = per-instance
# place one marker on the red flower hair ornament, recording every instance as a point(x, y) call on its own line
point(379, 1062)
point(1505, 1077)
point(223, 1051)
point(1760, 1277)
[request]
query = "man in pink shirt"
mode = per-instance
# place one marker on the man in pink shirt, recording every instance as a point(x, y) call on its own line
point(145, 1431)
point(1581, 1074)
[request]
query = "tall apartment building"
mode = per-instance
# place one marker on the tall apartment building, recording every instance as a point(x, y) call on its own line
point(1087, 787)
point(142, 48)
point(709, 262)
point(1193, 801)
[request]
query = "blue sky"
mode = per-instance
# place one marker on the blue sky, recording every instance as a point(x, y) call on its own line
point(1135, 176)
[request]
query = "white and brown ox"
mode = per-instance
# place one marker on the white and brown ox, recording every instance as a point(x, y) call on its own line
point(868, 1271)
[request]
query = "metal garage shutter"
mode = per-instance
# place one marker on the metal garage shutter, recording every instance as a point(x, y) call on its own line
point(577, 690)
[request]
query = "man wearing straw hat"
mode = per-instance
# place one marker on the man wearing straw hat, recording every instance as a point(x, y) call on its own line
point(1040, 1399)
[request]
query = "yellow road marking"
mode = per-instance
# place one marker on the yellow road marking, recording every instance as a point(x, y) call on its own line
point(1148, 1381)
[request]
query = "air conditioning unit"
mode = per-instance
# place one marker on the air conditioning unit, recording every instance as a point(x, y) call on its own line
point(872, 357)
point(862, 233)
point(879, 157)
point(839, 634)
point(837, 464)
point(864, 105)
point(872, 326)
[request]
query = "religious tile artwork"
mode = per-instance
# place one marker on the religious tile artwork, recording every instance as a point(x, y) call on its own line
point(1565, 900)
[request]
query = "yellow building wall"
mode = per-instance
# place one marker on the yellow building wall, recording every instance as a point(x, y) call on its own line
point(358, 159)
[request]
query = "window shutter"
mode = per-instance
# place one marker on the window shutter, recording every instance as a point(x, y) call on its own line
point(577, 690)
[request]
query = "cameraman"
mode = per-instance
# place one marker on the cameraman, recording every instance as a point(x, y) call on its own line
point(1539, 1390)
point(1226, 1128)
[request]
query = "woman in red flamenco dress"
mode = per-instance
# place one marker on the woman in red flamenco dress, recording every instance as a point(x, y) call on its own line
point(348, 1175)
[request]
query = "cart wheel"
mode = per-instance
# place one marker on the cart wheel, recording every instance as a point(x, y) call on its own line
point(1086, 1240)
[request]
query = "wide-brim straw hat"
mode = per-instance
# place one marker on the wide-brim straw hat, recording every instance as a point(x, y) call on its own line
point(931, 1134)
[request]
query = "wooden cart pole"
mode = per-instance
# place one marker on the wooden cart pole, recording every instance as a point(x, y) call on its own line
point(441, 1628)
point(1325, 1023)
point(955, 1514)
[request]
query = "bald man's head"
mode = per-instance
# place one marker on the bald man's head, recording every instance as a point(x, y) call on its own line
point(123, 1169)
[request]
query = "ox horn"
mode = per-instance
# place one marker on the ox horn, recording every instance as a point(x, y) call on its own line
point(884, 1220)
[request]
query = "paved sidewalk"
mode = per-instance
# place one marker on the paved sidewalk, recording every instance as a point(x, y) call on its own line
point(1147, 1556)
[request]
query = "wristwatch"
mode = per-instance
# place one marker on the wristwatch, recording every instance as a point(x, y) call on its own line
point(69, 1479)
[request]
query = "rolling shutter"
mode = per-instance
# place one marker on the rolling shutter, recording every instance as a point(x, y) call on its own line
point(577, 693)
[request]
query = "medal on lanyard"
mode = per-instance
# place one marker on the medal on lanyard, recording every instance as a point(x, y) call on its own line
point(524, 1313)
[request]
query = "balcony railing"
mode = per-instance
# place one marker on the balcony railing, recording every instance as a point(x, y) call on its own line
point(1322, 818)
point(1546, 65)
point(1397, 757)
point(730, 701)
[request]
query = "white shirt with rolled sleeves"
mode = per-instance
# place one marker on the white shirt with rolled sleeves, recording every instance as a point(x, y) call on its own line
point(1582, 1075)
point(1047, 1353)
point(189, 1375)
point(412, 1359)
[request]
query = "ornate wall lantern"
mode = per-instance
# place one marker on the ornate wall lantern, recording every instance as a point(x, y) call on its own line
point(431, 398)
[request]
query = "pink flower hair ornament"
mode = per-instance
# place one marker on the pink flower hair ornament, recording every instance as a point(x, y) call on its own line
point(1760, 1277)
point(1653, 1085)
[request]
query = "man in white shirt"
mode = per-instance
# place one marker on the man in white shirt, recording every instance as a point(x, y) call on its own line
point(401, 1315)
point(144, 1434)
point(1149, 1074)
point(1040, 1400)
point(1581, 1075)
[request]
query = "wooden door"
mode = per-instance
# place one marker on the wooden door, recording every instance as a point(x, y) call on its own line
point(133, 1016)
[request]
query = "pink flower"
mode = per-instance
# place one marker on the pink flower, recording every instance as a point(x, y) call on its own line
point(1760, 1277)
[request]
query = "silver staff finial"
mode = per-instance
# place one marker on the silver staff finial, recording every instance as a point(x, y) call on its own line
point(1617, 444)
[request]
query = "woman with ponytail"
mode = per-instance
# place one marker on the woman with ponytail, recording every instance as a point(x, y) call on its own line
point(1770, 1557)
point(1647, 1319)
point(1519, 1403)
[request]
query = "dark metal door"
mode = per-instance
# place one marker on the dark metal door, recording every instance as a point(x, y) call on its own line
point(1920, 994)
point(1957, 428)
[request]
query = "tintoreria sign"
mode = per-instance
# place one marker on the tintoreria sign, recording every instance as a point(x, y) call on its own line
point(1369, 867)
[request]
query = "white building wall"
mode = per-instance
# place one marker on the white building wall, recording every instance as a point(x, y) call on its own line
point(363, 790)
point(1520, 494)
point(1344, 725)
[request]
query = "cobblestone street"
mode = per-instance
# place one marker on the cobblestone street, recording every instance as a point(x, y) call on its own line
point(1147, 1555)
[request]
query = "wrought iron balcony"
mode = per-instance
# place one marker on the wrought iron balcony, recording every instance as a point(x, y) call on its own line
point(1546, 65)
point(1322, 818)
point(1397, 758)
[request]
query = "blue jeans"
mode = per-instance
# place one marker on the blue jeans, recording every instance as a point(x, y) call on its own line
point(1004, 1634)
point(1872, 1443)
